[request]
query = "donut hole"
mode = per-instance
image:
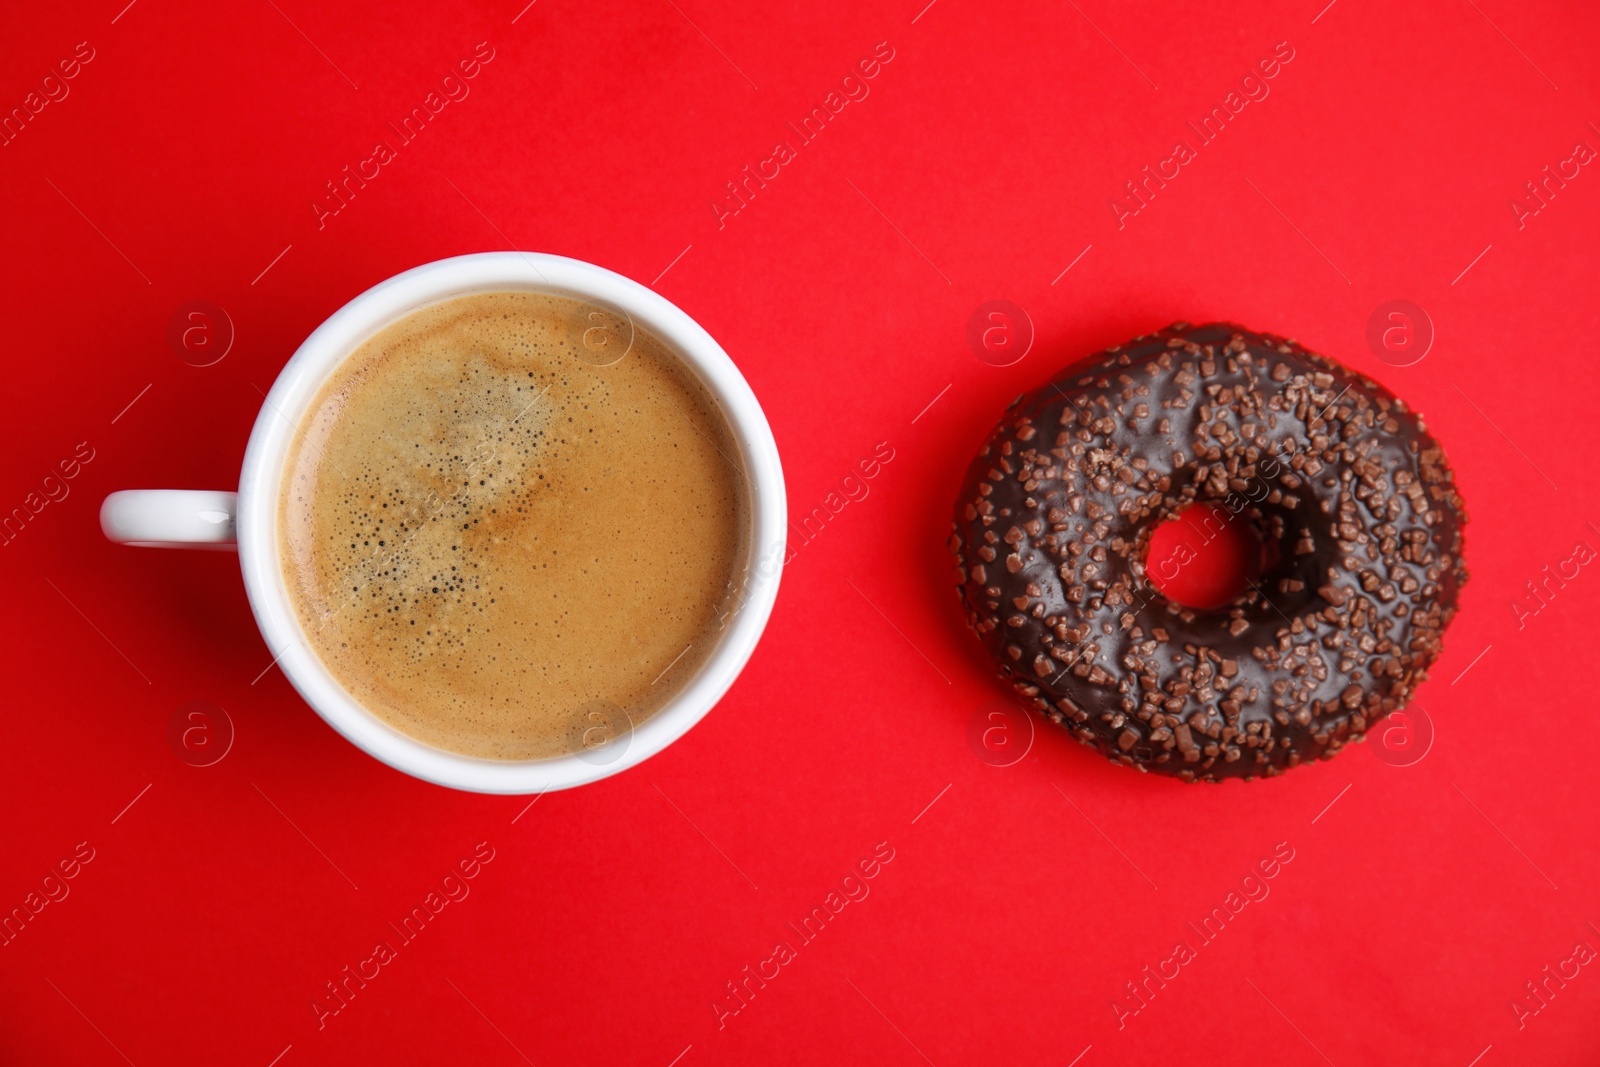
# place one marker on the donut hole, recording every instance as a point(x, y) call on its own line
point(1204, 558)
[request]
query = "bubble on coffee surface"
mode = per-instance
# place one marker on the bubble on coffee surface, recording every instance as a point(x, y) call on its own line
point(488, 532)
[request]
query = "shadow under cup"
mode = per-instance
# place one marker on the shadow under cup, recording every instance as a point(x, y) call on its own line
point(578, 703)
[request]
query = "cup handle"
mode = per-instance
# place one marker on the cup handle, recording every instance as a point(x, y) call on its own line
point(171, 518)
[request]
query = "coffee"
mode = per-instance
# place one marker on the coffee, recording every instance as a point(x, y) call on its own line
point(512, 525)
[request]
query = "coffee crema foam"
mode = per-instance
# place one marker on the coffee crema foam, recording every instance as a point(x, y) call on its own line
point(501, 548)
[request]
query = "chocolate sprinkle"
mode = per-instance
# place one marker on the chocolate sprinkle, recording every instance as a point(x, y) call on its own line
point(1356, 504)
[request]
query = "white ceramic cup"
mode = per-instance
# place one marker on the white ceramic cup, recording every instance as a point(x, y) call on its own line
point(167, 518)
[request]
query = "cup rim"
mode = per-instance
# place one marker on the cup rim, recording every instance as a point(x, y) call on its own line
point(336, 338)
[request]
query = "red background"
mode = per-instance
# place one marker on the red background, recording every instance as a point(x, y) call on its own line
point(982, 164)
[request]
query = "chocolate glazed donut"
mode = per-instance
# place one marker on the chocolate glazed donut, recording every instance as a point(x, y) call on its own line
point(1354, 503)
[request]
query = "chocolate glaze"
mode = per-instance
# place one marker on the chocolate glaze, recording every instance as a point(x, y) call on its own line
point(1352, 497)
